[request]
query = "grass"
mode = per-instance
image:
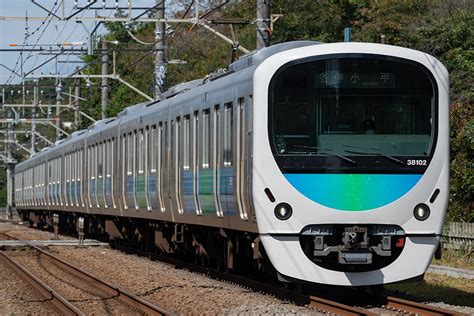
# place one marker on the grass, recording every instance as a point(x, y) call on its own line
point(456, 259)
point(439, 288)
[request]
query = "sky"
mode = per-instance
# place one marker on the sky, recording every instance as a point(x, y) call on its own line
point(49, 32)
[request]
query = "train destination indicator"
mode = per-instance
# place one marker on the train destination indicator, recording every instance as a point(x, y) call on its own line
point(337, 79)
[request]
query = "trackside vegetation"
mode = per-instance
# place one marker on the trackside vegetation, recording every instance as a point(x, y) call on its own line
point(440, 28)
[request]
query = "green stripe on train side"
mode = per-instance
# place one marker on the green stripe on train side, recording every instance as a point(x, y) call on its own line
point(206, 191)
point(140, 191)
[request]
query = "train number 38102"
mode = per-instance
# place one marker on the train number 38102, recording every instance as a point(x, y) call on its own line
point(416, 162)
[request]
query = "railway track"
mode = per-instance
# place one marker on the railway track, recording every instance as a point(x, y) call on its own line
point(389, 303)
point(414, 308)
point(96, 289)
point(57, 302)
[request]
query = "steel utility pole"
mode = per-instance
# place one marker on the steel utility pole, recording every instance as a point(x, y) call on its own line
point(77, 102)
point(160, 63)
point(33, 117)
point(10, 163)
point(105, 78)
point(263, 23)
point(59, 89)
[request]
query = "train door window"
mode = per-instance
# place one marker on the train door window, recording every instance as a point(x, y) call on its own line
point(129, 154)
point(152, 147)
point(141, 152)
point(206, 126)
point(163, 148)
point(228, 128)
point(186, 142)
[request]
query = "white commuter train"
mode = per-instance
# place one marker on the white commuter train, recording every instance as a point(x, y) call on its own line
point(334, 157)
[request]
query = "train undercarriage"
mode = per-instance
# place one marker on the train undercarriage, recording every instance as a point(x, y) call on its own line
point(222, 249)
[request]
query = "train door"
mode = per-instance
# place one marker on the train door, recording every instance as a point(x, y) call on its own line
point(109, 165)
point(246, 156)
point(217, 157)
point(227, 193)
point(162, 140)
point(140, 179)
point(195, 161)
point(166, 179)
point(130, 170)
point(206, 174)
point(153, 149)
point(187, 178)
point(174, 165)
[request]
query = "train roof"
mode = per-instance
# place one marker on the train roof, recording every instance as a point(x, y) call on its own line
point(252, 59)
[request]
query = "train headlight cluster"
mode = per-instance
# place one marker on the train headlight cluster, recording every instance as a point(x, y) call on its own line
point(421, 212)
point(283, 211)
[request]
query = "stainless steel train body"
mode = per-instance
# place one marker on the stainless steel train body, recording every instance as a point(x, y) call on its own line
point(335, 155)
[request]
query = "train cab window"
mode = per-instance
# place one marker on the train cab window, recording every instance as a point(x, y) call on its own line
point(206, 127)
point(186, 142)
point(228, 134)
point(357, 106)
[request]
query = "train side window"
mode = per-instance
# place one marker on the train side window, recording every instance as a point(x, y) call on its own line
point(129, 154)
point(100, 165)
point(141, 152)
point(186, 142)
point(228, 134)
point(152, 141)
point(206, 126)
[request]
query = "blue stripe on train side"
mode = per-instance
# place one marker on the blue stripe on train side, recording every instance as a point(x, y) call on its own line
point(152, 189)
point(227, 197)
point(188, 192)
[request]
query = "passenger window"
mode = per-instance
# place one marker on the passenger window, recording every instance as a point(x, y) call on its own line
point(206, 126)
point(186, 142)
point(228, 128)
point(152, 143)
point(141, 151)
point(129, 154)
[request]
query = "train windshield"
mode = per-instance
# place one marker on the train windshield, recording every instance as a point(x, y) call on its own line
point(352, 107)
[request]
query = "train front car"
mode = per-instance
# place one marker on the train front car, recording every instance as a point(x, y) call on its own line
point(351, 162)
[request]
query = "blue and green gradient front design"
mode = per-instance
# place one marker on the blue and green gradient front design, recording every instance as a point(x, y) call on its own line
point(353, 192)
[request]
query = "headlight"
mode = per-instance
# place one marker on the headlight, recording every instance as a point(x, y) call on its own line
point(283, 211)
point(421, 212)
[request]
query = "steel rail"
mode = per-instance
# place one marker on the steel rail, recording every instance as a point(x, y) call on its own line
point(416, 308)
point(282, 293)
point(50, 296)
point(118, 293)
point(337, 308)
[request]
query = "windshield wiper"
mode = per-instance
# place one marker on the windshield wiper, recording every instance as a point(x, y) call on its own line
point(328, 154)
point(377, 153)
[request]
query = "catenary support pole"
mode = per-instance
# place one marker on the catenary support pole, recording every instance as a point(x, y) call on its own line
point(77, 102)
point(263, 23)
point(105, 78)
point(160, 63)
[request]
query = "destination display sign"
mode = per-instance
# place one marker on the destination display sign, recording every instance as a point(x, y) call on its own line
point(337, 79)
